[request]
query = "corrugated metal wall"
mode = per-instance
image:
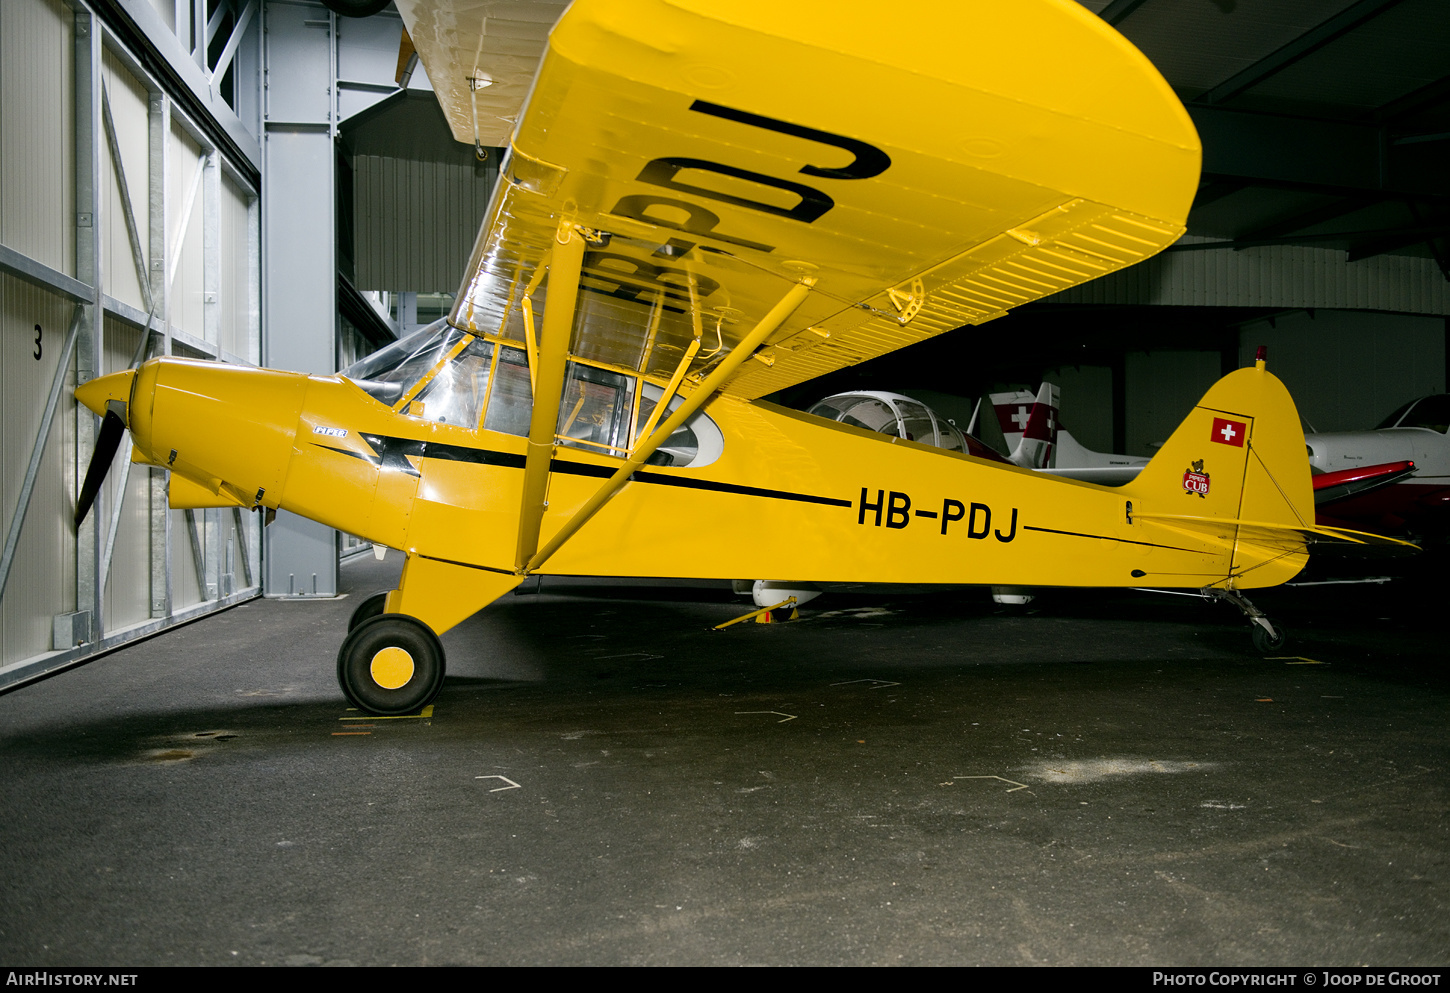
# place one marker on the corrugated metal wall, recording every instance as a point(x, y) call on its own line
point(33, 324)
point(1348, 369)
point(207, 299)
point(127, 594)
point(240, 317)
point(1087, 403)
point(1277, 276)
point(184, 262)
point(37, 147)
point(415, 222)
point(129, 111)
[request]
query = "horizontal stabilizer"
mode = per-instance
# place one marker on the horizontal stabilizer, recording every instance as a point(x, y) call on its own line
point(1332, 486)
point(1270, 535)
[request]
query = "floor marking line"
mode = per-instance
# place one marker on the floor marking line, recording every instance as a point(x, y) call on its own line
point(788, 717)
point(425, 712)
point(1016, 785)
point(511, 784)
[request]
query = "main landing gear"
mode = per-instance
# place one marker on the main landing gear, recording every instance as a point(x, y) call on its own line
point(1267, 637)
point(368, 609)
point(390, 664)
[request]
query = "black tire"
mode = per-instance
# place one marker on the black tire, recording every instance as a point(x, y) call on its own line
point(1262, 640)
point(368, 609)
point(390, 665)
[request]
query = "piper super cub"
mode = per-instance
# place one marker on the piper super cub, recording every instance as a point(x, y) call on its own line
point(705, 201)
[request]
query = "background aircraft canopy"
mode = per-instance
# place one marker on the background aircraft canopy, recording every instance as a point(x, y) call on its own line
point(1431, 412)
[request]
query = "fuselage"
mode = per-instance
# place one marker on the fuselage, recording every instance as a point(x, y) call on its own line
point(785, 494)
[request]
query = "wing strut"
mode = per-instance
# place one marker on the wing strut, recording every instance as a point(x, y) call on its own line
point(722, 373)
point(553, 355)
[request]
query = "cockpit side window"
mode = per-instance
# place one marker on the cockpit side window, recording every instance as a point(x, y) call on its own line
point(594, 413)
point(456, 393)
point(511, 402)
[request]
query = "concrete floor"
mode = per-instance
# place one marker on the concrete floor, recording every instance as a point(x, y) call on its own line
point(1103, 779)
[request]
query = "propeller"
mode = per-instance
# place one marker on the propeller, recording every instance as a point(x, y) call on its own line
point(113, 426)
point(105, 390)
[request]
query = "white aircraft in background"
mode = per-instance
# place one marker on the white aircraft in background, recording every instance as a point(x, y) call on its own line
point(1352, 466)
point(911, 420)
point(907, 419)
point(1418, 432)
point(1067, 456)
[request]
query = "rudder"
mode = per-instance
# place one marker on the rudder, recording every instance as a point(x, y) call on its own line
point(1236, 466)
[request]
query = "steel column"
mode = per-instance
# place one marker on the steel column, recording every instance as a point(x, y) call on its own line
point(159, 130)
point(87, 131)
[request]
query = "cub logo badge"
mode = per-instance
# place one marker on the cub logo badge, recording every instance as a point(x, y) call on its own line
point(1195, 480)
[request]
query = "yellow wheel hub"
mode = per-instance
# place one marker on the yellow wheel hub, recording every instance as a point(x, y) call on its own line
point(392, 668)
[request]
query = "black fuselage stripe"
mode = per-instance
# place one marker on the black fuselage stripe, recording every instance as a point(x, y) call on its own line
point(708, 484)
point(508, 460)
point(1104, 537)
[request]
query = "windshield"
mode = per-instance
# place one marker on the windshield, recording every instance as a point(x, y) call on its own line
point(387, 374)
point(1431, 412)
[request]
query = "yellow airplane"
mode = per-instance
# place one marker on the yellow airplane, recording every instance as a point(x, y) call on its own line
point(705, 201)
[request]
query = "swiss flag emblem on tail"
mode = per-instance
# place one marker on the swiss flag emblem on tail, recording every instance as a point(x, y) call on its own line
point(1227, 432)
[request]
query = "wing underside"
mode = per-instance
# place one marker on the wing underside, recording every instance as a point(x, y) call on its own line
point(922, 169)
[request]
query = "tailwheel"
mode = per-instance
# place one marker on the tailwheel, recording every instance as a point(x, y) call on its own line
point(368, 609)
point(1267, 636)
point(1264, 641)
point(391, 664)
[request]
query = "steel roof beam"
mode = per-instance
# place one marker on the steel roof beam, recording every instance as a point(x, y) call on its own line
point(1413, 102)
point(1307, 43)
point(1117, 11)
point(1339, 157)
point(1307, 218)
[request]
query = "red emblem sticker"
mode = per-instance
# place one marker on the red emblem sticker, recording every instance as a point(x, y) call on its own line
point(1195, 480)
point(1227, 432)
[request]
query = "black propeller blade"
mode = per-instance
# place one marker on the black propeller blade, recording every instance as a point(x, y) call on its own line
point(112, 428)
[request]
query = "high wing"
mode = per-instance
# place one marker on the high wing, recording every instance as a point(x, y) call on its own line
point(920, 166)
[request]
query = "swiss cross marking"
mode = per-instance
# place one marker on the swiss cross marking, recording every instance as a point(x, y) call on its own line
point(1227, 432)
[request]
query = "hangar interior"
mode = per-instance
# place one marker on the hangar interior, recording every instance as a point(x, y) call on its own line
point(267, 182)
point(251, 180)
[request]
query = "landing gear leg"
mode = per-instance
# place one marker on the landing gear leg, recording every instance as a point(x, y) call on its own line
point(392, 662)
point(1267, 637)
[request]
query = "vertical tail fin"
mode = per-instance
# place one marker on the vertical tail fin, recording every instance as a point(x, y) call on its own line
point(1038, 442)
point(1236, 468)
point(1013, 411)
